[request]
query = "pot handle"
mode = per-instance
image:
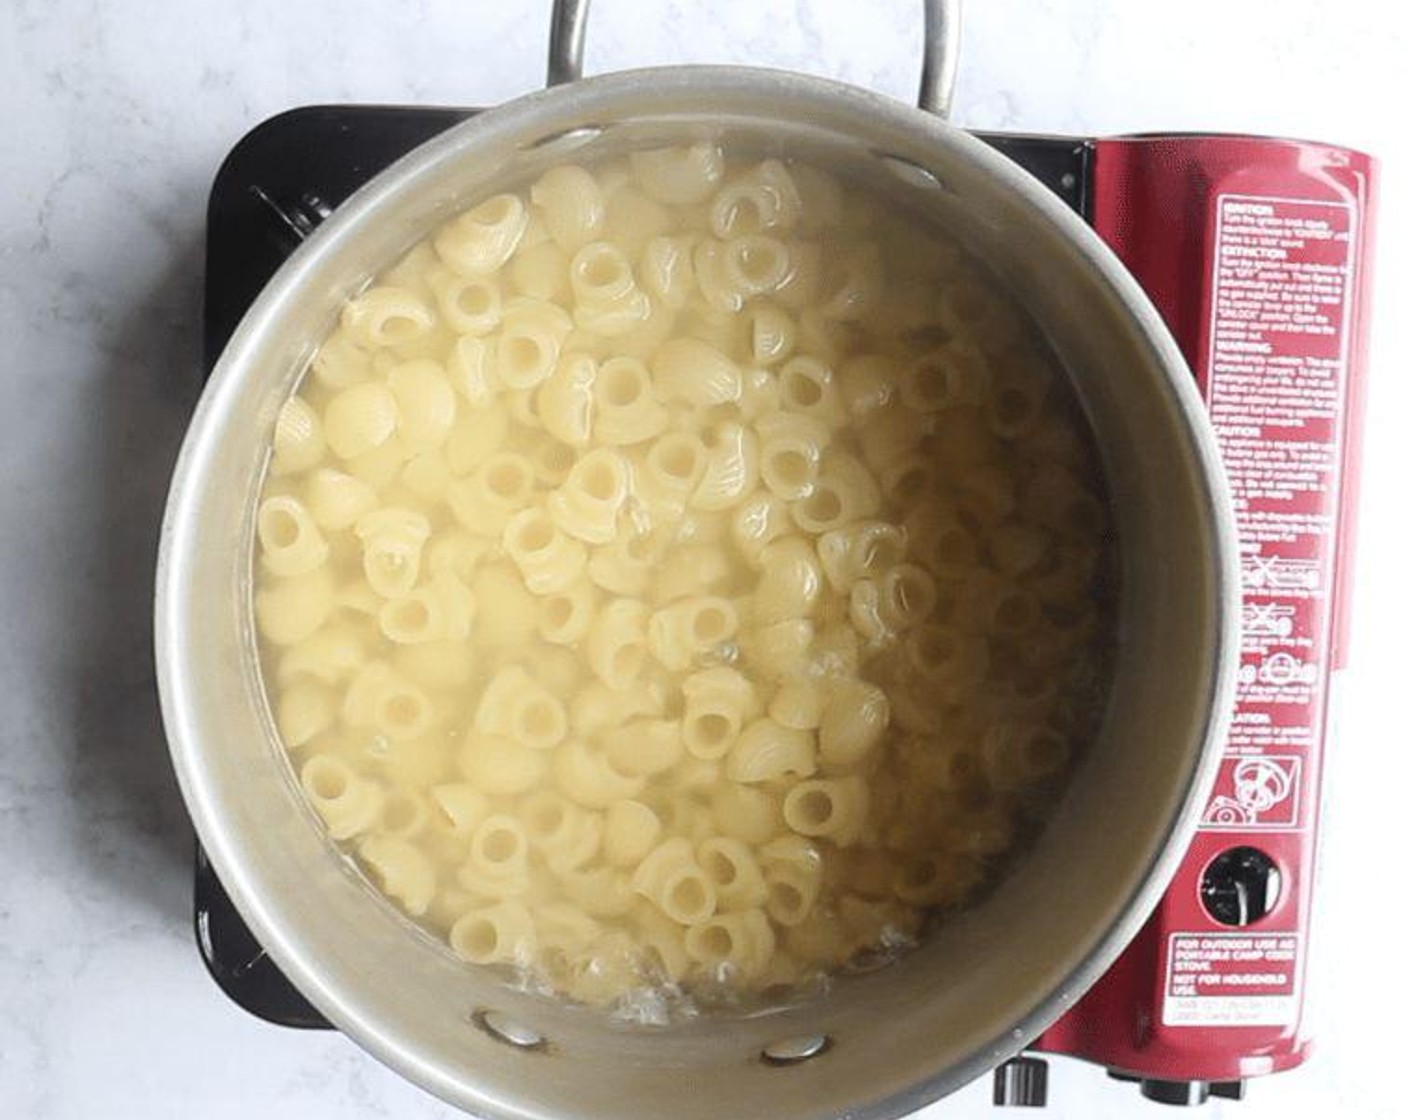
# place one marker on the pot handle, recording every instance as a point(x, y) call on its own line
point(941, 30)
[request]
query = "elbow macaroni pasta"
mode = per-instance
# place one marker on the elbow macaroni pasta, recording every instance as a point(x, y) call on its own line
point(680, 572)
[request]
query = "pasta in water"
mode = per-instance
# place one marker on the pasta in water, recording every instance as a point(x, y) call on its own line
point(682, 574)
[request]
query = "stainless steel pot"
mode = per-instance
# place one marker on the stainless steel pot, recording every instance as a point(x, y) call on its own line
point(987, 983)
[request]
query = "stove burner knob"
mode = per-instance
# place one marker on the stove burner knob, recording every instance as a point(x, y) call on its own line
point(1240, 886)
point(1020, 1083)
point(1175, 1092)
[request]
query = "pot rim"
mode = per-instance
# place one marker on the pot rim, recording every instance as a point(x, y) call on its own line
point(179, 692)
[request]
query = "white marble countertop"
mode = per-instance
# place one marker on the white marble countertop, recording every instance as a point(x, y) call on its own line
point(115, 118)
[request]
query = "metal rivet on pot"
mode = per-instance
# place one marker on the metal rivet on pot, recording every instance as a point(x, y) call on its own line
point(500, 1027)
point(568, 140)
point(907, 171)
point(791, 1051)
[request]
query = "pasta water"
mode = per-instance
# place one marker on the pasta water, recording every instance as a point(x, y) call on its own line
point(681, 572)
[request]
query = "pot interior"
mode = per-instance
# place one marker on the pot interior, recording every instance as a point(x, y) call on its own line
point(984, 983)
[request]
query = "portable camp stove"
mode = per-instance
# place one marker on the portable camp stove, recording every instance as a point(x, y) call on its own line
point(1256, 251)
